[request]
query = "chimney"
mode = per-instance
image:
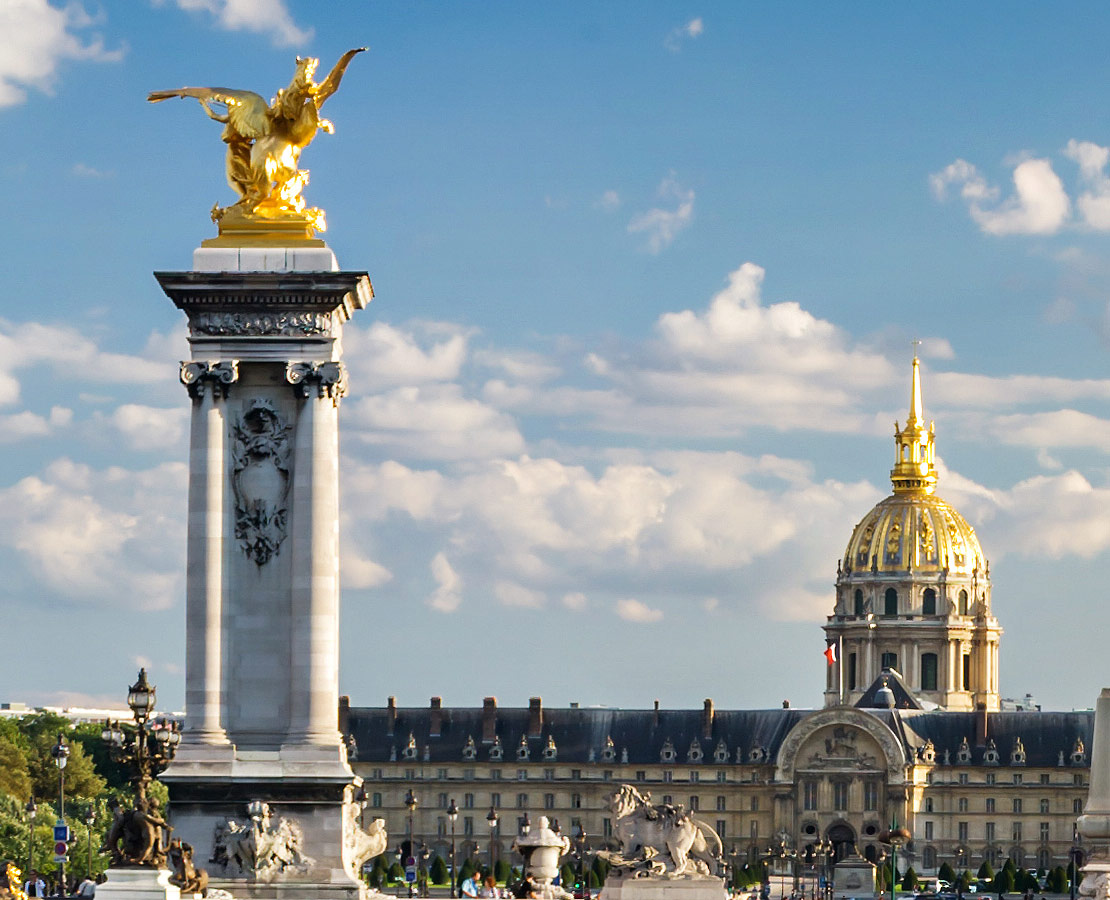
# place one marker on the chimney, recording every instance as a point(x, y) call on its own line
point(981, 724)
point(535, 717)
point(435, 724)
point(707, 719)
point(344, 714)
point(489, 720)
point(657, 712)
point(391, 715)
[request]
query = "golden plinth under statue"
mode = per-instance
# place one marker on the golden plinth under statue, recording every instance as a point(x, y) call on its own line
point(264, 144)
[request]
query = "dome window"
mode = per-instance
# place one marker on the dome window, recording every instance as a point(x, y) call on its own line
point(963, 603)
point(857, 607)
point(929, 602)
point(890, 602)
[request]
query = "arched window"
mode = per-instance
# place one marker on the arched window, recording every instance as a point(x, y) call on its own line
point(929, 602)
point(857, 609)
point(928, 671)
point(963, 603)
point(889, 660)
point(890, 604)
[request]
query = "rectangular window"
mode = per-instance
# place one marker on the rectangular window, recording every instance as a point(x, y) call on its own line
point(441, 826)
point(468, 825)
point(889, 660)
point(1077, 806)
point(667, 799)
point(576, 801)
point(1044, 778)
point(990, 804)
point(641, 775)
point(840, 796)
point(468, 801)
point(410, 774)
point(442, 801)
point(720, 803)
point(809, 795)
point(441, 774)
point(495, 801)
point(468, 774)
point(377, 775)
point(990, 777)
point(962, 804)
point(1077, 780)
point(928, 671)
point(755, 830)
point(1044, 806)
point(521, 774)
point(928, 804)
point(721, 829)
point(961, 832)
point(495, 774)
point(1017, 777)
point(667, 775)
point(1017, 831)
point(755, 804)
point(1017, 804)
point(963, 778)
point(376, 800)
point(607, 775)
point(928, 831)
point(694, 776)
point(576, 774)
point(990, 832)
point(1044, 832)
point(549, 774)
point(548, 801)
point(521, 801)
point(695, 803)
point(870, 795)
point(722, 775)
point(607, 828)
point(851, 671)
point(965, 673)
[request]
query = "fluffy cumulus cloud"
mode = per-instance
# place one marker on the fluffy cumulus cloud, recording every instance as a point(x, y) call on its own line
point(1039, 203)
point(36, 38)
point(1093, 203)
point(662, 224)
point(109, 537)
point(678, 36)
point(268, 17)
point(632, 610)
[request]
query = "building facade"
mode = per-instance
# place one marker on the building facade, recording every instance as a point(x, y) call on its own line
point(912, 731)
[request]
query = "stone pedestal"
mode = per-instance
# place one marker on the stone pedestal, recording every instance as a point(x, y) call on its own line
point(853, 876)
point(261, 767)
point(137, 884)
point(693, 887)
point(1094, 825)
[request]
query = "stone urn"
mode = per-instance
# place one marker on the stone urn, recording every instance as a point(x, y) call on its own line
point(542, 849)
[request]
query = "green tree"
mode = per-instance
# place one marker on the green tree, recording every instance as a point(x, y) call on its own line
point(600, 869)
point(964, 880)
point(1003, 882)
point(81, 778)
point(502, 871)
point(909, 882)
point(466, 870)
point(986, 870)
point(438, 872)
point(946, 873)
point(567, 878)
point(1057, 882)
point(15, 776)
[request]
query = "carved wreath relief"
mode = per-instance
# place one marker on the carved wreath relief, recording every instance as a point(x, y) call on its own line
point(260, 480)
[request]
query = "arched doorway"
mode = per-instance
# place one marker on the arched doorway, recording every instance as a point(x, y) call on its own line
point(843, 839)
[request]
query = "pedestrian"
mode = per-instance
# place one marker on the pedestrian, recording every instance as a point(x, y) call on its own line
point(470, 887)
point(34, 886)
point(490, 891)
point(86, 890)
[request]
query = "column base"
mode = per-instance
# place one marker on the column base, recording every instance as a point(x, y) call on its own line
point(138, 884)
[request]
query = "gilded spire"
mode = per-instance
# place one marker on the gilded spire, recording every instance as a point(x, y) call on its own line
point(915, 461)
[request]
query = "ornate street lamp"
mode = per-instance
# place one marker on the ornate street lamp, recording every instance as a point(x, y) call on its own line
point(452, 815)
point(491, 820)
point(895, 837)
point(410, 803)
point(90, 819)
point(60, 752)
point(151, 746)
point(582, 850)
point(31, 809)
point(824, 849)
point(525, 824)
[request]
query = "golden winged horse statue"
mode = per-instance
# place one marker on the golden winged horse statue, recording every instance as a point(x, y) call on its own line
point(264, 143)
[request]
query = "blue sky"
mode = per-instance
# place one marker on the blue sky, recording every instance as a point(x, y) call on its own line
point(647, 276)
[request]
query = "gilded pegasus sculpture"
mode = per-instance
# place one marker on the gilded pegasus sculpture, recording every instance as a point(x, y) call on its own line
point(264, 144)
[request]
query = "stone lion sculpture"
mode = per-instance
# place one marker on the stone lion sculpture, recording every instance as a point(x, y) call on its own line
point(660, 839)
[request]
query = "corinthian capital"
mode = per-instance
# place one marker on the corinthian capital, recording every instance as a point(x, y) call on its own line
point(219, 375)
point(327, 379)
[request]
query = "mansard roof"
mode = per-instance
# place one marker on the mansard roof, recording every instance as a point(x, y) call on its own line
point(699, 737)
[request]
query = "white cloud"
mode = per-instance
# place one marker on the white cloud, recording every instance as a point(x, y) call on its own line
point(448, 593)
point(383, 355)
point(660, 225)
point(151, 428)
point(510, 593)
point(269, 17)
point(35, 39)
point(678, 36)
point(1093, 204)
point(1039, 204)
point(609, 201)
point(358, 572)
point(575, 600)
point(632, 610)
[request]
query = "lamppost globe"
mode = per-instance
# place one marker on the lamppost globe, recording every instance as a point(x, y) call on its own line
point(140, 697)
point(31, 809)
point(410, 800)
point(60, 752)
point(491, 820)
point(452, 815)
point(525, 824)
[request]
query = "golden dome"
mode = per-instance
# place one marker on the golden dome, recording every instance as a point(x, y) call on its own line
point(914, 531)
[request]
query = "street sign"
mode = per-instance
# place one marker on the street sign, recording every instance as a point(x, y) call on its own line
point(61, 832)
point(410, 874)
point(410, 862)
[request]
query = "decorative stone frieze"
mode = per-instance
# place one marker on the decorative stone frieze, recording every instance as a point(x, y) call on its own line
point(260, 324)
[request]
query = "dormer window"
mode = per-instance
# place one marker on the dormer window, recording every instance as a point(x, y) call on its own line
point(928, 753)
point(667, 754)
point(720, 754)
point(522, 751)
point(470, 751)
point(757, 755)
point(1078, 753)
point(990, 755)
point(963, 754)
point(694, 754)
point(549, 751)
point(496, 752)
point(610, 752)
point(1017, 755)
point(410, 748)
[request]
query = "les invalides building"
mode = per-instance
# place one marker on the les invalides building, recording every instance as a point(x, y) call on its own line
point(912, 732)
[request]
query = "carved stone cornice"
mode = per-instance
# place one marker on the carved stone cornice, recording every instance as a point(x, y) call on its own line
point(260, 324)
point(220, 375)
point(327, 379)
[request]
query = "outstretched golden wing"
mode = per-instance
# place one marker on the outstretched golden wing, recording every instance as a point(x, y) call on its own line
point(330, 84)
point(246, 111)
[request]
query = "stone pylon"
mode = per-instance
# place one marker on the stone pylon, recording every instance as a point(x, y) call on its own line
point(260, 785)
point(1094, 824)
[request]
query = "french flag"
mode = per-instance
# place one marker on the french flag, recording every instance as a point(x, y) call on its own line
point(830, 654)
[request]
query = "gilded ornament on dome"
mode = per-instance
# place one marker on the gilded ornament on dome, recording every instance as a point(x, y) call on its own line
point(893, 539)
point(926, 545)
